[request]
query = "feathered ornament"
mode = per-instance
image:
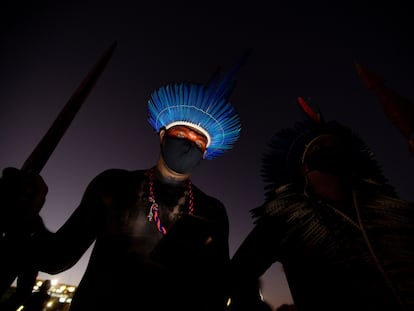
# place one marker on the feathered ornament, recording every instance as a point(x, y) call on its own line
point(205, 108)
point(316, 116)
point(282, 161)
point(399, 110)
point(324, 247)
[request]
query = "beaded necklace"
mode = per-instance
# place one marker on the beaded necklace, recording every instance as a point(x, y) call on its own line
point(153, 212)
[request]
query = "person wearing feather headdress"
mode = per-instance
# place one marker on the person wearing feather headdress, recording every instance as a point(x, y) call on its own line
point(154, 230)
point(344, 238)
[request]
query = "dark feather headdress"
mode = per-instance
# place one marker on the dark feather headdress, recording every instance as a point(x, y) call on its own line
point(375, 231)
point(282, 161)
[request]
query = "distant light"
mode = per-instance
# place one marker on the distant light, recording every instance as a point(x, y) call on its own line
point(20, 308)
point(71, 289)
point(49, 304)
point(39, 283)
point(62, 299)
point(228, 302)
point(261, 295)
point(69, 300)
point(54, 282)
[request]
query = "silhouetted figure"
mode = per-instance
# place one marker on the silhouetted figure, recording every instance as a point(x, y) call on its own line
point(343, 236)
point(38, 300)
point(19, 200)
point(160, 241)
point(18, 221)
point(398, 109)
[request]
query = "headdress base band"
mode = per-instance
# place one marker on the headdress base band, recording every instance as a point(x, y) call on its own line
point(197, 127)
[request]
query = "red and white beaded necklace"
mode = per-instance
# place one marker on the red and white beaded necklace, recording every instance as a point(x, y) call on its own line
point(153, 212)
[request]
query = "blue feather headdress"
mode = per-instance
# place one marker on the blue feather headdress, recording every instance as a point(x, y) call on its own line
point(205, 108)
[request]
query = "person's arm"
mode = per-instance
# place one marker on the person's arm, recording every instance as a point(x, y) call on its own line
point(61, 250)
point(57, 252)
point(22, 195)
point(252, 259)
point(199, 244)
point(219, 260)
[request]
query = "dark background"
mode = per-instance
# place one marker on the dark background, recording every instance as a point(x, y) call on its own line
point(300, 48)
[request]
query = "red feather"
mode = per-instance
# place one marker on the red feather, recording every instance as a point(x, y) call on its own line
point(308, 110)
point(398, 109)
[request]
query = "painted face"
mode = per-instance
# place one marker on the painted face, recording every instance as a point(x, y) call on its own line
point(183, 149)
point(181, 131)
point(327, 168)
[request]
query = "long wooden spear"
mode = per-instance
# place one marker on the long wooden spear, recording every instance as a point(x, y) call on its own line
point(40, 155)
point(26, 276)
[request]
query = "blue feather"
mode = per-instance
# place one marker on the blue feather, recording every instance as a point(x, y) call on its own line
point(205, 106)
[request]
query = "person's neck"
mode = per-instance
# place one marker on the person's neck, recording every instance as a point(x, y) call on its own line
point(169, 175)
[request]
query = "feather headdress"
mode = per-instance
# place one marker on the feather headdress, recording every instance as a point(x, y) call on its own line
point(205, 108)
point(281, 162)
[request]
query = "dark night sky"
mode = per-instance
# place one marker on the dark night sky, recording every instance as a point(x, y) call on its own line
point(299, 49)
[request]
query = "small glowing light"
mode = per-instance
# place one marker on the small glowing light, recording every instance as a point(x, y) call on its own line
point(71, 289)
point(20, 308)
point(49, 304)
point(261, 296)
point(54, 282)
point(69, 300)
point(62, 299)
point(39, 283)
point(228, 302)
